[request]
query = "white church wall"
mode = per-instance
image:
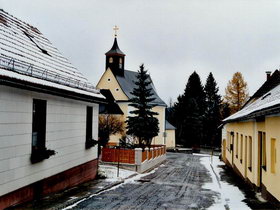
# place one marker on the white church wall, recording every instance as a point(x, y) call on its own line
point(65, 133)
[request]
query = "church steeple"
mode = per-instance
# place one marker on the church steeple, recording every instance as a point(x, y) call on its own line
point(115, 58)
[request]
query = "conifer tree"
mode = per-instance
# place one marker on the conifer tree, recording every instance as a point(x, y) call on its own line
point(236, 92)
point(212, 112)
point(190, 113)
point(142, 124)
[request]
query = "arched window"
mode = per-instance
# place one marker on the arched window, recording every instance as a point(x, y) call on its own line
point(110, 60)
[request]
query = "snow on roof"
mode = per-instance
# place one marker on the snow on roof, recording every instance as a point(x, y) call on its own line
point(127, 84)
point(268, 100)
point(30, 56)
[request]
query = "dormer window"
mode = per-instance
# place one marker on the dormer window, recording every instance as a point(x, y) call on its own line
point(110, 60)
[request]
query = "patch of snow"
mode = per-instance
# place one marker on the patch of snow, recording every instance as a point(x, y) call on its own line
point(230, 197)
point(47, 83)
point(111, 173)
point(270, 99)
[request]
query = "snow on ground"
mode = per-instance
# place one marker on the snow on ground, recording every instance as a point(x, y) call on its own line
point(230, 196)
point(111, 173)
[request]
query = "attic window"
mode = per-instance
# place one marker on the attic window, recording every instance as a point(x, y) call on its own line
point(3, 20)
point(109, 79)
point(32, 39)
point(266, 96)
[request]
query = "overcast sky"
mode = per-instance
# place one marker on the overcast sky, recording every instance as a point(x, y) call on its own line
point(171, 37)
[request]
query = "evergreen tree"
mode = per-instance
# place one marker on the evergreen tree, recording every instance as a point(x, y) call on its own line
point(190, 113)
point(236, 92)
point(142, 124)
point(212, 112)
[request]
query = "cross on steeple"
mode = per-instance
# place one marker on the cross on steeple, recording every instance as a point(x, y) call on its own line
point(116, 29)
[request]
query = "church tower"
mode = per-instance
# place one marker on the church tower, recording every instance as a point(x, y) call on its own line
point(115, 58)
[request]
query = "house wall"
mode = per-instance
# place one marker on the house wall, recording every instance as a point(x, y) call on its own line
point(267, 179)
point(247, 129)
point(118, 94)
point(65, 133)
point(270, 178)
point(170, 139)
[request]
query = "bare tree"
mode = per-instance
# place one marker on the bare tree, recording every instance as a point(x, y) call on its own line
point(110, 125)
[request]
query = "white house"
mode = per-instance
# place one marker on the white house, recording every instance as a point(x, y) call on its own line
point(48, 116)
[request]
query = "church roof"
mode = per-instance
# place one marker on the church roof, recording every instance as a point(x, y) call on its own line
point(127, 85)
point(27, 55)
point(168, 126)
point(115, 50)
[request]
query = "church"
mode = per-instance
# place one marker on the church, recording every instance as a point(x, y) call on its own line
point(121, 83)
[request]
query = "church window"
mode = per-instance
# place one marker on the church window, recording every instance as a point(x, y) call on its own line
point(109, 79)
point(110, 60)
point(120, 63)
point(117, 89)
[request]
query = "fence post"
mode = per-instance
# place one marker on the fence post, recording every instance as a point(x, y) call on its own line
point(138, 158)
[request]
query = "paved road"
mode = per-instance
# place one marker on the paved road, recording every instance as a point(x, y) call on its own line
point(177, 184)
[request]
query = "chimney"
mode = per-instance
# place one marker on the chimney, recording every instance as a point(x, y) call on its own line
point(268, 74)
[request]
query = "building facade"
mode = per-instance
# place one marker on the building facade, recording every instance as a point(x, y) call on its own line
point(251, 139)
point(121, 83)
point(48, 117)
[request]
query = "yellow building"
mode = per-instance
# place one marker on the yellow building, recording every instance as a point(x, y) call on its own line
point(170, 135)
point(251, 139)
point(121, 83)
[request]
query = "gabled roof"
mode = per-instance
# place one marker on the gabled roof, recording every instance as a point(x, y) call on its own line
point(269, 103)
point(126, 83)
point(26, 55)
point(168, 126)
point(115, 50)
point(269, 84)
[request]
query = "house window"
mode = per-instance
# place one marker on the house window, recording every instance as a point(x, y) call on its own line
point(39, 118)
point(236, 147)
point(250, 153)
point(90, 142)
point(39, 125)
point(228, 140)
point(273, 155)
point(263, 151)
point(89, 124)
point(241, 148)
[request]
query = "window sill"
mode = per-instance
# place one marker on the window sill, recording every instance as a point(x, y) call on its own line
point(39, 155)
point(91, 143)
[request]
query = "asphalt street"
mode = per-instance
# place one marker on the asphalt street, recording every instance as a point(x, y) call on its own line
point(176, 184)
